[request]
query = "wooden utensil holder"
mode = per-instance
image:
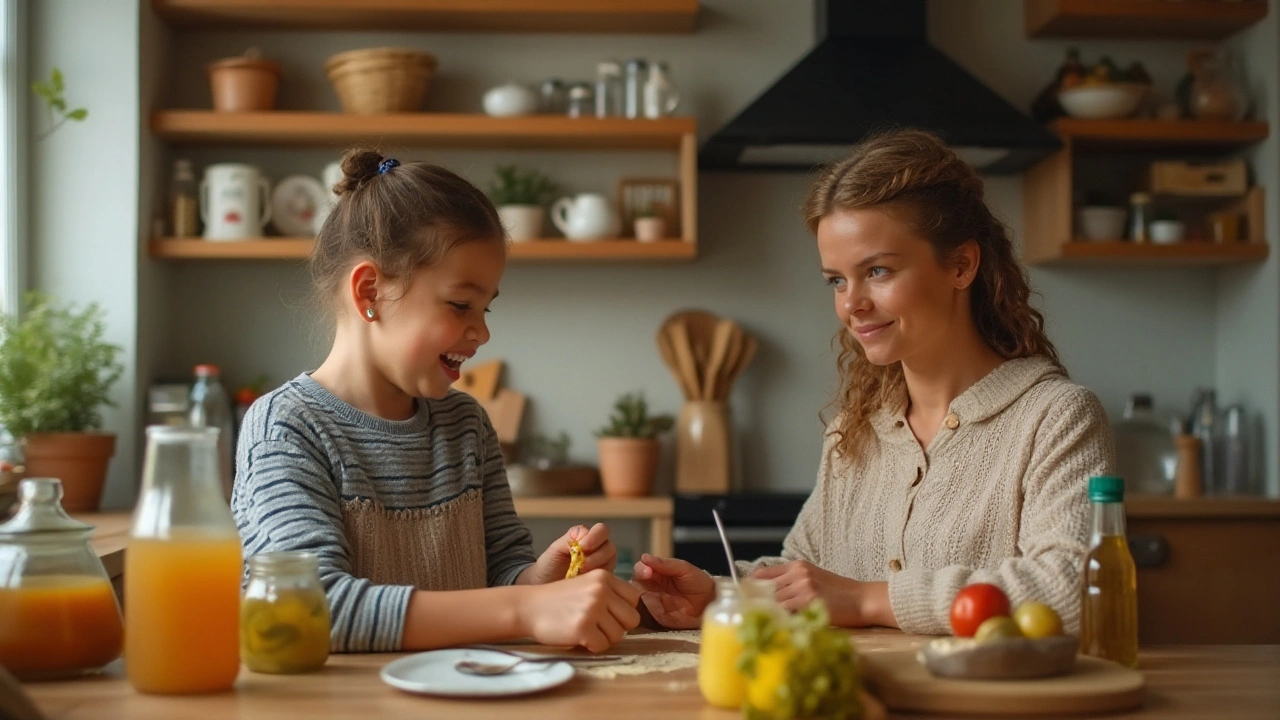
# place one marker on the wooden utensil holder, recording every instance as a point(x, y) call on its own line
point(702, 447)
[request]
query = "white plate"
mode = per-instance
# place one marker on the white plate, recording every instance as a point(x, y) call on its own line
point(296, 203)
point(432, 673)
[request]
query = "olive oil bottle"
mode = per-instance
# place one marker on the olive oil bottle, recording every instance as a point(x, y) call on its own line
point(1109, 599)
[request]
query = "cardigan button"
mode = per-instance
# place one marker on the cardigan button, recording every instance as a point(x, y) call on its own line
point(895, 565)
point(952, 421)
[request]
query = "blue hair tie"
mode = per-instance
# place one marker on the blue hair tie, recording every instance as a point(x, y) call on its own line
point(386, 165)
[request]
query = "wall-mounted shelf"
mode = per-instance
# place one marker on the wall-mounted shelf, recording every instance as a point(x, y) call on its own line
point(423, 129)
point(1123, 252)
point(1150, 19)
point(1146, 134)
point(534, 250)
point(542, 16)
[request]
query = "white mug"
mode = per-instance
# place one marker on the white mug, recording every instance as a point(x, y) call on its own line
point(234, 202)
point(332, 176)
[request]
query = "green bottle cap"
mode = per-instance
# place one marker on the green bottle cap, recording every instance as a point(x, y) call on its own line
point(1106, 489)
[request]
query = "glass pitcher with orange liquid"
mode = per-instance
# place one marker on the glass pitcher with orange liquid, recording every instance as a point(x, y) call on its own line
point(58, 612)
point(182, 570)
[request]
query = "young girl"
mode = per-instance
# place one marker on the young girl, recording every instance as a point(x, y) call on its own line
point(392, 478)
point(960, 452)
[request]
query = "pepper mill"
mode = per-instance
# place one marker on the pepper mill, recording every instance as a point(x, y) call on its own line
point(1187, 482)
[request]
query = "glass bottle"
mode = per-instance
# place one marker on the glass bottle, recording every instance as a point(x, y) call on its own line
point(58, 611)
point(184, 207)
point(1109, 598)
point(210, 406)
point(581, 102)
point(1215, 94)
point(553, 96)
point(660, 94)
point(182, 570)
point(609, 89)
point(719, 680)
point(1139, 210)
point(1205, 426)
point(1145, 451)
point(633, 88)
point(284, 616)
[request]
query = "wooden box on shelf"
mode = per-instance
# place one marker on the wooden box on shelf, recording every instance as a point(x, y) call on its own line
point(1048, 187)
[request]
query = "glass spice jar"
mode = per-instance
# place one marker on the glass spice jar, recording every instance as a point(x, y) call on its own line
point(284, 616)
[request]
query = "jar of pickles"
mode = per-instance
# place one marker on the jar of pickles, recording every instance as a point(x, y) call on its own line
point(284, 617)
point(58, 611)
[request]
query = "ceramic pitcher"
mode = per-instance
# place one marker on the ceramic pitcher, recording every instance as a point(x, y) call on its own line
point(233, 202)
point(587, 216)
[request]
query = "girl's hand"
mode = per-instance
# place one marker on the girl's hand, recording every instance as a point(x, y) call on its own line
point(674, 591)
point(554, 563)
point(850, 602)
point(593, 610)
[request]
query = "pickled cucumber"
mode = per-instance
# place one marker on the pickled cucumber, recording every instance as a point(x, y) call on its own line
point(287, 632)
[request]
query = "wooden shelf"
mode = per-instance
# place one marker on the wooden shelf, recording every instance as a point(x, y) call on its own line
point(423, 129)
point(557, 249)
point(1116, 252)
point(1151, 19)
point(593, 506)
point(542, 16)
point(1145, 133)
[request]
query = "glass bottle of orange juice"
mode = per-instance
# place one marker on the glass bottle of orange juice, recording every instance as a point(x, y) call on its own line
point(58, 611)
point(182, 570)
point(719, 679)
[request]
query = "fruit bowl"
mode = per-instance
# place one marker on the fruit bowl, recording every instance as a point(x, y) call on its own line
point(1003, 659)
point(1103, 102)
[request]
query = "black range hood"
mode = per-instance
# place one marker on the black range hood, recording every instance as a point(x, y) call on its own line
point(874, 69)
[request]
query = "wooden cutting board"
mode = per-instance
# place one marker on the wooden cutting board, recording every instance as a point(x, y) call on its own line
point(898, 679)
point(505, 409)
point(480, 381)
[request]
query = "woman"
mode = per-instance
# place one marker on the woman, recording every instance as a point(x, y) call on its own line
point(959, 451)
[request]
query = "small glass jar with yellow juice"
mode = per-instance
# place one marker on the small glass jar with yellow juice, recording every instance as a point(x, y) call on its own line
point(721, 682)
point(284, 617)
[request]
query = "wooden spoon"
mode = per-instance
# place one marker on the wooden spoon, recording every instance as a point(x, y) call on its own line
point(684, 356)
point(713, 387)
point(744, 357)
point(668, 353)
point(701, 330)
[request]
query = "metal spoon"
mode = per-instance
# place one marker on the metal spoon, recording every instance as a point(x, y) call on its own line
point(471, 667)
point(733, 568)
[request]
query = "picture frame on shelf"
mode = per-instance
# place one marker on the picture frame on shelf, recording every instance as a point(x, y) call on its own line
point(649, 196)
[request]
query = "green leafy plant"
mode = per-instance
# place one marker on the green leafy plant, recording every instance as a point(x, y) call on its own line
point(521, 186)
point(631, 419)
point(51, 91)
point(56, 368)
point(647, 211)
point(799, 667)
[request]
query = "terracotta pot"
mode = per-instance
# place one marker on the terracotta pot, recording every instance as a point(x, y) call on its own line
point(650, 229)
point(628, 466)
point(244, 84)
point(79, 460)
point(523, 222)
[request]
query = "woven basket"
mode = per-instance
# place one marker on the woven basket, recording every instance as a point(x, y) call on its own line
point(380, 80)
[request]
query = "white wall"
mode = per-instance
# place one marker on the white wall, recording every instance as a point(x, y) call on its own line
point(84, 190)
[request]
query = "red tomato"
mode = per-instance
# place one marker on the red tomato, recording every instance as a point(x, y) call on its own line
point(246, 396)
point(974, 604)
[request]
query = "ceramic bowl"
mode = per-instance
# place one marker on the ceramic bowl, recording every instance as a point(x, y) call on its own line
point(1103, 102)
point(528, 481)
point(1166, 232)
point(1099, 222)
point(1012, 659)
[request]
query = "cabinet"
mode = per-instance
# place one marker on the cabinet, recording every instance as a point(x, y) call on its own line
point(1207, 570)
point(675, 135)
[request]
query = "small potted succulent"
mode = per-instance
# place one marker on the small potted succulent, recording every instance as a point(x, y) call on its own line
point(56, 372)
point(649, 225)
point(522, 195)
point(628, 447)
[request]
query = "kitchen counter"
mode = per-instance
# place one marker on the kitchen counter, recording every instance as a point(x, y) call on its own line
point(1182, 682)
point(1225, 508)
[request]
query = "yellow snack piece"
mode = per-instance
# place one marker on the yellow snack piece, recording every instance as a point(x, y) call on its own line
point(576, 558)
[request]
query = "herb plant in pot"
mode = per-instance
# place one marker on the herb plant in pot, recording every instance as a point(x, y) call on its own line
point(628, 447)
point(56, 369)
point(522, 196)
point(649, 225)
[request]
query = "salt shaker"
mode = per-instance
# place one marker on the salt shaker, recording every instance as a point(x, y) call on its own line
point(580, 101)
point(660, 95)
point(633, 88)
point(609, 90)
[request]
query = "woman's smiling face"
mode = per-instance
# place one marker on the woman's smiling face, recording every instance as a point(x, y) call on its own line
point(890, 291)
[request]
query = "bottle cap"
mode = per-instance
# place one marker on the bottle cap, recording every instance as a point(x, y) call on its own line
point(207, 370)
point(1106, 489)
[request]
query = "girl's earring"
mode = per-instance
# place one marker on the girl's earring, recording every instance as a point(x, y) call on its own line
point(368, 313)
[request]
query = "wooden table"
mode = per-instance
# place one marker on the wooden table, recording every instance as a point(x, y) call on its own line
point(1183, 682)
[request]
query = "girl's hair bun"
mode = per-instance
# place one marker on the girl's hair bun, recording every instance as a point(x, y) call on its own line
point(359, 165)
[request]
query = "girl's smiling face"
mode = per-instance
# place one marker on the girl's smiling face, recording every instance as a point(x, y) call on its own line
point(422, 337)
point(890, 291)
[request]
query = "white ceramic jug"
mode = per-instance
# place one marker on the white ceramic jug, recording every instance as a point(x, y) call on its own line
point(233, 202)
point(588, 216)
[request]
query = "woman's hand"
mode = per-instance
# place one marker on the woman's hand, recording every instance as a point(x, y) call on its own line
point(850, 602)
point(554, 563)
point(593, 610)
point(674, 591)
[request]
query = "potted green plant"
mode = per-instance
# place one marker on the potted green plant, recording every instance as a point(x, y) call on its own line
point(521, 195)
point(56, 370)
point(649, 225)
point(628, 447)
